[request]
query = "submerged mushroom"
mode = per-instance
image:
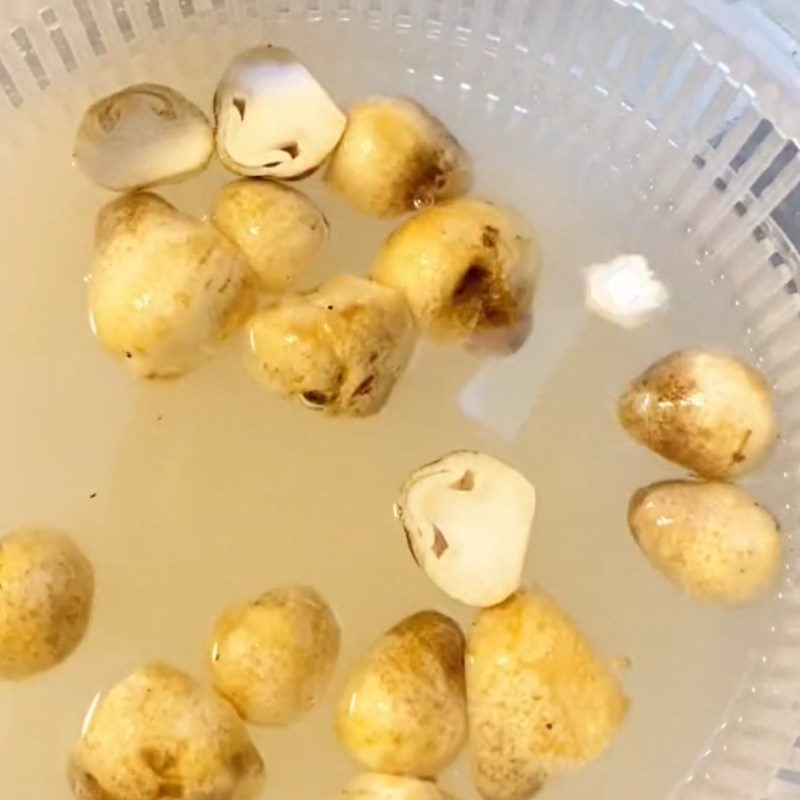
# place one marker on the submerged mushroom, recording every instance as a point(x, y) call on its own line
point(273, 658)
point(541, 702)
point(404, 709)
point(273, 118)
point(143, 136)
point(165, 288)
point(340, 348)
point(46, 593)
point(467, 519)
point(709, 538)
point(468, 270)
point(708, 412)
point(395, 157)
point(278, 228)
point(158, 734)
point(380, 786)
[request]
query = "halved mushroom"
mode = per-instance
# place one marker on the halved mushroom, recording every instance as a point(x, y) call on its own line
point(273, 118)
point(467, 519)
point(165, 288)
point(340, 348)
point(396, 157)
point(142, 136)
point(468, 269)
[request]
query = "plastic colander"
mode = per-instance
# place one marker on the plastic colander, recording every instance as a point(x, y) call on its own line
point(692, 105)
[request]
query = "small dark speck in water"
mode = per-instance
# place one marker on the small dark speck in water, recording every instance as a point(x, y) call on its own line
point(93, 495)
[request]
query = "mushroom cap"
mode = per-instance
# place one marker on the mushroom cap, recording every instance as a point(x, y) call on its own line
point(709, 538)
point(541, 701)
point(468, 269)
point(165, 289)
point(273, 118)
point(708, 412)
point(396, 157)
point(142, 136)
point(403, 710)
point(380, 786)
point(159, 734)
point(340, 348)
point(46, 594)
point(467, 519)
point(273, 658)
point(277, 228)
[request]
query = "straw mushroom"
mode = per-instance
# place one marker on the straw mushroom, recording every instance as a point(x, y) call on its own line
point(396, 157)
point(46, 593)
point(158, 734)
point(143, 136)
point(467, 519)
point(541, 702)
point(165, 288)
point(277, 228)
point(379, 786)
point(404, 710)
point(273, 118)
point(339, 349)
point(709, 538)
point(708, 412)
point(273, 658)
point(468, 270)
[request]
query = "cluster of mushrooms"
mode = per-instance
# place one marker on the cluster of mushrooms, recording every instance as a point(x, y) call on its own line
point(166, 289)
point(409, 705)
point(524, 688)
point(715, 416)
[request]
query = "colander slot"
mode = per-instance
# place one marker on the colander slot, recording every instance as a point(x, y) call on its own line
point(90, 27)
point(30, 57)
point(59, 39)
point(122, 19)
point(9, 87)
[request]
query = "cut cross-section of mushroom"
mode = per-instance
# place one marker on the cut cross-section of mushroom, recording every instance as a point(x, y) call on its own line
point(468, 518)
point(273, 117)
point(143, 136)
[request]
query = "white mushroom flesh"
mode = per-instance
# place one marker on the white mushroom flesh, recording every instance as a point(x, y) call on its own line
point(143, 136)
point(273, 117)
point(468, 518)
